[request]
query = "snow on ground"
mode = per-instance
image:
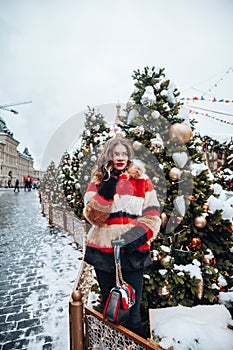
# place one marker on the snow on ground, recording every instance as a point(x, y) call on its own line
point(202, 327)
point(58, 275)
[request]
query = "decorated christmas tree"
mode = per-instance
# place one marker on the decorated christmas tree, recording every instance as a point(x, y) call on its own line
point(52, 184)
point(77, 171)
point(192, 259)
point(61, 196)
point(224, 173)
point(192, 255)
point(49, 185)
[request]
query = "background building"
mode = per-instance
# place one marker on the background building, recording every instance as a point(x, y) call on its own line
point(14, 164)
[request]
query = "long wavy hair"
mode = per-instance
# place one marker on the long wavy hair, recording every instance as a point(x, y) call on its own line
point(105, 164)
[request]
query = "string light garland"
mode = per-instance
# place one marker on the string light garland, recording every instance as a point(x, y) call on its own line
point(187, 100)
point(230, 69)
point(209, 91)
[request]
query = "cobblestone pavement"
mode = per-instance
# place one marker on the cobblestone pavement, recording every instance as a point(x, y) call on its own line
point(38, 266)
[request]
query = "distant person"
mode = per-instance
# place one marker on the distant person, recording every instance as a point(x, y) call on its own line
point(16, 185)
point(36, 184)
point(9, 179)
point(27, 182)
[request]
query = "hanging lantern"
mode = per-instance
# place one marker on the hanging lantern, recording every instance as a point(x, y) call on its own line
point(210, 261)
point(165, 259)
point(195, 243)
point(155, 255)
point(205, 206)
point(148, 97)
point(157, 144)
point(163, 292)
point(209, 258)
point(175, 174)
point(200, 221)
point(180, 131)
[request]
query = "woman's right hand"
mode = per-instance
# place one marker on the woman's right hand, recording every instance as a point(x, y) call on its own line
point(108, 185)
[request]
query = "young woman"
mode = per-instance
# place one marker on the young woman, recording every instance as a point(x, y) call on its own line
point(121, 202)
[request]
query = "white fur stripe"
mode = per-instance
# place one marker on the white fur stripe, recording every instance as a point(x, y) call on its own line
point(151, 199)
point(102, 236)
point(88, 195)
point(127, 203)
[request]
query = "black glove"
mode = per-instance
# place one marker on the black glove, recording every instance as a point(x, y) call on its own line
point(108, 186)
point(132, 239)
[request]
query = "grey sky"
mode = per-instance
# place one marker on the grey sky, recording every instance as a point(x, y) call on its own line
point(65, 55)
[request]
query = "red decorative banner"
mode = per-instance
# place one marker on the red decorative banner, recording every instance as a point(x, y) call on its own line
point(191, 111)
point(204, 99)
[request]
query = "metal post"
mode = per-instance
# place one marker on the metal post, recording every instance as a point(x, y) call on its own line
point(76, 321)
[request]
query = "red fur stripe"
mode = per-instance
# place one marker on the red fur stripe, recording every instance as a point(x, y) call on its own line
point(151, 212)
point(121, 220)
point(92, 187)
point(102, 201)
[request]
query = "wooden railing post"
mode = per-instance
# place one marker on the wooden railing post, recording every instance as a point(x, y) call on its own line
point(50, 216)
point(64, 220)
point(76, 321)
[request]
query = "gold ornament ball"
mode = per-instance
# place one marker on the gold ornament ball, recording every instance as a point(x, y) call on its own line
point(200, 221)
point(180, 131)
point(175, 174)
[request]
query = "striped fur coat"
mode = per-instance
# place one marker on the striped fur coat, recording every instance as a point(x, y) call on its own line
point(132, 214)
